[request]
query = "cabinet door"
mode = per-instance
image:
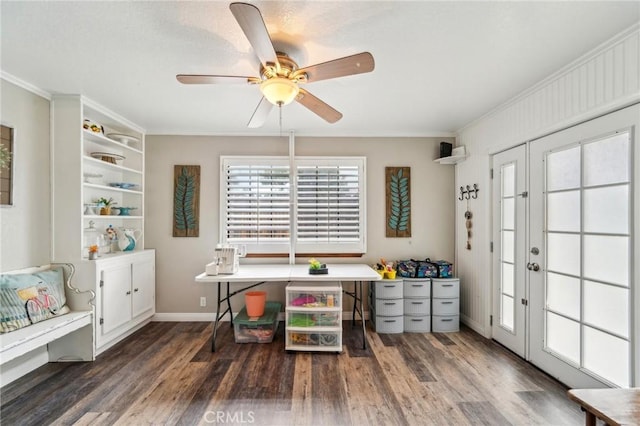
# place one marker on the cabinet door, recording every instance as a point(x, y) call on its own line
point(144, 287)
point(116, 296)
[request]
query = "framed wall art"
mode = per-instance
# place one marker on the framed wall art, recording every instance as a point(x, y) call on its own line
point(398, 201)
point(7, 149)
point(186, 201)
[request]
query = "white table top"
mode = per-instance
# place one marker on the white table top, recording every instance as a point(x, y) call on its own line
point(273, 273)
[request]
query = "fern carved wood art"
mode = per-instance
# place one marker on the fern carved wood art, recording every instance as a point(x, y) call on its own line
point(398, 201)
point(186, 201)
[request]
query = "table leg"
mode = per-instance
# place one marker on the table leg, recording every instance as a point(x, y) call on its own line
point(589, 418)
point(355, 301)
point(364, 328)
point(219, 314)
point(229, 306)
point(216, 320)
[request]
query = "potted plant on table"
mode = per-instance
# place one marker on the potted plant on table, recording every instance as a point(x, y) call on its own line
point(105, 205)
point(317, 268)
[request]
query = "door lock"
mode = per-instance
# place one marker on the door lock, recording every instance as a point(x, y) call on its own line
point(533, 266)
point(535, 250)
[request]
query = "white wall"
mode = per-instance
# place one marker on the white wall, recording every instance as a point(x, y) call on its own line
point(601, 81)
point(25, 227)
point(179, 260)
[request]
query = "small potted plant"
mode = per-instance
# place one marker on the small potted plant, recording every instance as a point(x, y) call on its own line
point(317, 268)
point(93, 252)
point(105, 205)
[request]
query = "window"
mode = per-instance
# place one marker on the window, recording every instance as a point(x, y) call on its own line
point(258, 206)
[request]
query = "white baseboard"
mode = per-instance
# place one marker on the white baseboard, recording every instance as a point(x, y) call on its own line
point(209, 316)
point(186, 317)
point(474, 325)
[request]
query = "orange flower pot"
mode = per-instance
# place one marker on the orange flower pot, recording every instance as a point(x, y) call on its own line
point(255, 301)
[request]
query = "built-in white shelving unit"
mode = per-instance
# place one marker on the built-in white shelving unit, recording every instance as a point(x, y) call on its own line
point(107, 162)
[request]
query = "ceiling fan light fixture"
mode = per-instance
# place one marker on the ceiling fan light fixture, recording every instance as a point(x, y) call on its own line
point(279, 90)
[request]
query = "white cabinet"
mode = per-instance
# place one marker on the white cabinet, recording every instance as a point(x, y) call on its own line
point(446, 304)
point(87, 165)
point(386, 306)
point(417, 305)
point(125, 295)
point(143, 279)
point(313, 318)
point(115, 292)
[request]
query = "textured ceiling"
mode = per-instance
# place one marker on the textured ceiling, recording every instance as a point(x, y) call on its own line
point(439, 65)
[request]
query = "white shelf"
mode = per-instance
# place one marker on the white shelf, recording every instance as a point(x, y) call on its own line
point(111, 188)
point(454, 159)
point(73, 165)
point(105, 141)
point(110, 216)
point(109, 166)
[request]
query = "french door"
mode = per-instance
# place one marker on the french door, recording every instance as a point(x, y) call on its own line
point(563, 256)
point(509, 208)
point(581, 221)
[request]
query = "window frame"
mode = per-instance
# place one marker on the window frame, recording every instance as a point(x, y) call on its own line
point(293, 246)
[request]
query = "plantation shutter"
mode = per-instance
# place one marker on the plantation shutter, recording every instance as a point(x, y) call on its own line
point(330, 205)
point(257, 204)
point(256, 208)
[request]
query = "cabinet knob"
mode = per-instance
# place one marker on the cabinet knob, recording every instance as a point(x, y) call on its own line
point(135, 289)
point(128, 293)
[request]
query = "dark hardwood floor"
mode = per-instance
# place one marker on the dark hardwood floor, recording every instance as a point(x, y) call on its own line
point(166, 374)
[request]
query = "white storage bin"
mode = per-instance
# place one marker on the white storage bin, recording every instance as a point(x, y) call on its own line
point(388, 289)
point(390, 307)
point(446, 306)
point(417, 287)
point(313, 317)
point(389, 325)
point(445, 287)
point(417, 324)
point(417, 306)
point(445, 324)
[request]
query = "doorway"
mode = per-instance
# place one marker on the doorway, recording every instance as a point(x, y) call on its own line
point(563, 251)
point(508, 323)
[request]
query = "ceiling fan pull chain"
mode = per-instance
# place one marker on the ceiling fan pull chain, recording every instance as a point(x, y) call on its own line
point(280, 112)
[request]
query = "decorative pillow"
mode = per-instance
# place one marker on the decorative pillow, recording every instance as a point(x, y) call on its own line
point(29, 298)
point(13, 314)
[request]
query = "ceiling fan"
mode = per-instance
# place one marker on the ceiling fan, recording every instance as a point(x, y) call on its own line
point(280, 78)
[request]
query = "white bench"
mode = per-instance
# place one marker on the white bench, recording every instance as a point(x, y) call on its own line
point(67, 337)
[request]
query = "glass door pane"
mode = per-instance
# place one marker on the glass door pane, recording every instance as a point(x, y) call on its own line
point(507, 258)
point(587, 238)
point(508, 289)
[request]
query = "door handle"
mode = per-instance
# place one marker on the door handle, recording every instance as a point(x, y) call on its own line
point(533, 266)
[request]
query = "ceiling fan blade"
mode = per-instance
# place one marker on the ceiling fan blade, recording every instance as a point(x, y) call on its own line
point(349, 65)
point(214, 79)
point(318, 107)
point(254, 28)
point(260, 114)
